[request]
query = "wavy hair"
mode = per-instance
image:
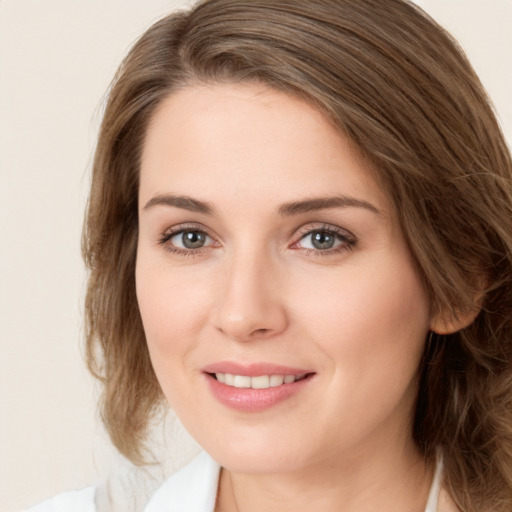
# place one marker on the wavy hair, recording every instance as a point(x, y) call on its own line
point(401, 89)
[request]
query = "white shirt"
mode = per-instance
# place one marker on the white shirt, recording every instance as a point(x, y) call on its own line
point(192, 489)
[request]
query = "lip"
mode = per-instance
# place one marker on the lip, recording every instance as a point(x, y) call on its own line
point(253, 369)
point(254, 400)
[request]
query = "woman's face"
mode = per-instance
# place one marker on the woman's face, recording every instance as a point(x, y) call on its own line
point(268, 258)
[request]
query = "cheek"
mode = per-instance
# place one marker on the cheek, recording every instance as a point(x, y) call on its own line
point(172, 307)
point(362, 317)
point(371, 328)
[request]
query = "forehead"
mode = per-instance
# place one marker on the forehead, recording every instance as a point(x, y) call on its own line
point(252, 138)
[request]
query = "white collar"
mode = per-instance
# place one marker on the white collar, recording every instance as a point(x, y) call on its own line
point(194, 488)
point(435, 488)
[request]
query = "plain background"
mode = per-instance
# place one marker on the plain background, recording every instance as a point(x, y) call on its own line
point(57, 58)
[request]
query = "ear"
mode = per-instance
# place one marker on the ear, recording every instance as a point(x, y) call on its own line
point(446, 322)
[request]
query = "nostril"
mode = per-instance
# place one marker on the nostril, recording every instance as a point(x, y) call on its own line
point(260, 331)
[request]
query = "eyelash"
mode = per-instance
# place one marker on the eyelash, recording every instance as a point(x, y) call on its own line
point(348, 241)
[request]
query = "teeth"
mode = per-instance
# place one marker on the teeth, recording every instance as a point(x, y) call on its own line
point(242, 381)
point(259, 382)
point(276, 380)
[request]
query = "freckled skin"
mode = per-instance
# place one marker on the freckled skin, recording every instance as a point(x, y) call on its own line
point(258, 290)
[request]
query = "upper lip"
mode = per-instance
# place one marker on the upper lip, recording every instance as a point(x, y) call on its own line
point(253, 369)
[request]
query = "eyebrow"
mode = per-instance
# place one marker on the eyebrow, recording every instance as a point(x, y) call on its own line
point(184, 202)
point(320, 203)
point(285, 210)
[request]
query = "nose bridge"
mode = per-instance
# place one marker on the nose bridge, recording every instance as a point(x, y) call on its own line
point(250, 302)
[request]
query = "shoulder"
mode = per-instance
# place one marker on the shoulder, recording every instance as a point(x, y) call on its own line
point(74, 501)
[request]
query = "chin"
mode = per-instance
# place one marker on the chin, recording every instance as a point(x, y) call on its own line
point(257, 454)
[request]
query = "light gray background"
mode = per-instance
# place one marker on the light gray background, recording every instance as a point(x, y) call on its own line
point(56, 60)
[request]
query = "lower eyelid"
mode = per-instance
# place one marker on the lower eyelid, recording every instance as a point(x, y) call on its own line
point(186, 253)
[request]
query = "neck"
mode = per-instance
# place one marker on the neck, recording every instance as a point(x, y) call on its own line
point(384, 480)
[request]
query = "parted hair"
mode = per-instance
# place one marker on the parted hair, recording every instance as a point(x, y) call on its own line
point(400, 88)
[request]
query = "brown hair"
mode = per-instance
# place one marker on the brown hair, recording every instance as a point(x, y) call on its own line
point(400, 88)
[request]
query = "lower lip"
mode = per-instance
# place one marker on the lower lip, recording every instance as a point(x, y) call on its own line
point(254, 400)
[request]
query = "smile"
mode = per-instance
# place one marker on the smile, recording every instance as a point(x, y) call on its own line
point(257, 382)
point(251, 388)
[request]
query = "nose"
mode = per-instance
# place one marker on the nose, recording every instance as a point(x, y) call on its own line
point(251, 302)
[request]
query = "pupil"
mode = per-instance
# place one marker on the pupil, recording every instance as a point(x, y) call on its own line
point(322, 240)
point(193, 239)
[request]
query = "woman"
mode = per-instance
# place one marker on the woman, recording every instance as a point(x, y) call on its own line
point(299, 237)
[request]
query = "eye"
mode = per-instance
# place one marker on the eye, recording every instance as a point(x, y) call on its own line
point(190, 239)
point(186, 240)
point(325, 240)
point(320, 240)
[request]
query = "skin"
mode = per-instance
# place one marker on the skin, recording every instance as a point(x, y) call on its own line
point(356, 315)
